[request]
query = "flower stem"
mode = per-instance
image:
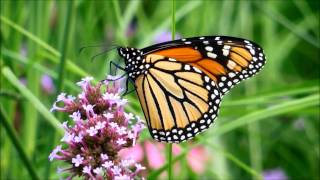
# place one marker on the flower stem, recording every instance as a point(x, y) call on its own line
point(169, 152)
point(15, 141)
point(169, 146)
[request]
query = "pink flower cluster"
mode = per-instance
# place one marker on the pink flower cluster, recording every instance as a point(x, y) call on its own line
point(99, 130)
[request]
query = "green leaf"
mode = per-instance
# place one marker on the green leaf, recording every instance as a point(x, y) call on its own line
point(275, 110)
point(8, 74)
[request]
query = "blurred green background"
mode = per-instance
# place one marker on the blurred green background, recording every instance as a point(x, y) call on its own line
point(268, 125)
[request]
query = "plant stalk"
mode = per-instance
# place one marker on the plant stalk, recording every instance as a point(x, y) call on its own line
point(169, 146)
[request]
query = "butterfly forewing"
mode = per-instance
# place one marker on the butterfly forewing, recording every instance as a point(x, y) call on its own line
point(226, 60)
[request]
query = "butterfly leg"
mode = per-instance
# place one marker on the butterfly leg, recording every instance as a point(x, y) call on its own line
point(117, 67)
point(127, 87)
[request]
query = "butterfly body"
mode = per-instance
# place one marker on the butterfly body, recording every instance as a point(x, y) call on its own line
point(180, 83)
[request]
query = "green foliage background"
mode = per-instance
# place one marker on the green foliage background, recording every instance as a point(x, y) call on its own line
point(270, 121)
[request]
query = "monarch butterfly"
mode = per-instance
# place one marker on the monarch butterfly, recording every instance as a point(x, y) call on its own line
point(180, 83)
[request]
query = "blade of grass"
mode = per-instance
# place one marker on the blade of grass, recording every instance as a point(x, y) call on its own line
point(33, 82)
point(156, 173)
point(130, 12)
point(270, 97)
point(70, 65)
point(53, 74)
point(279, 18)
point(180, 13)
point(305, 9)
point(38, 67)
point(8, 74)
point(235, 160)
point(246, 26)
point(15, 141)
point(169, 146)
point(64, 44)
point(121, 25)
point(272, 111)
point(61, 69)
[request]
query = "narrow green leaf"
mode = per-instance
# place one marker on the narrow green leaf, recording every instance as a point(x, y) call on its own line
point(235, 160)
point(8, 74)
point(180, 13)
point(269, 97)
point(70, 65)
point(16, 142)
point(272, 111)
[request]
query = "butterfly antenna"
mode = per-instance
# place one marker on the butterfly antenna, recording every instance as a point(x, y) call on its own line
point(98, 45)
point(103, 52)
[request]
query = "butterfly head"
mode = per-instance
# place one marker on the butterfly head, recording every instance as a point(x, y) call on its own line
point(133, 60)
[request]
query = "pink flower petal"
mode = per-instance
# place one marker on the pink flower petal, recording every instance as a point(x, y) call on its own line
point(197, 159)
point(176, 149)
point(135, 153)
point(155, 158)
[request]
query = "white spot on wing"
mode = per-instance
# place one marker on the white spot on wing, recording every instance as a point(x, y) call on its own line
point(209, 48)
point(211, 55)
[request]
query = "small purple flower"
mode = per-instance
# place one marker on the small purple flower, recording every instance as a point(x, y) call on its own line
point(132, 28)
point(89, 110)
point(98, 171)
point(77, 160)
point(274, 174)
point(165, 36)
point(61, 97)
point(129, 116)
point(64, 125)
point(127, 162)
point(107, 164)
point(116, 170)
point(68, 138)
point(84, 82)
point(121, 130)
point(114, 125)
point(108, 115)
point(121, 141)
point(76, 116)
point(78, 138)
point(122, 177)
point(139, 167)
point(92, 131)
point(87, 170)
point(104, 157)
point(98, 120)
point(54, 153)
point(82, 96)
point(47, 84)
point(23, 81)
point(100, 125)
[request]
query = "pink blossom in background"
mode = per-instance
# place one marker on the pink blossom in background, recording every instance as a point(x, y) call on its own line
point(165, 36)
point(135, 153)
point(154, 153)
point(176, 149)
point(197, 159)
point(47, 84)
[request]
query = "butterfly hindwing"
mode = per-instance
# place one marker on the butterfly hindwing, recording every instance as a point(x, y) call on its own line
point(178, 100)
